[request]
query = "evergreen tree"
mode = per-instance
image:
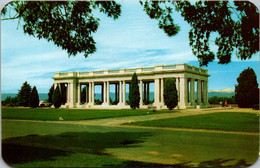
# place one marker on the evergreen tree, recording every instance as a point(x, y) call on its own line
point(51, 90)
point(63, 94)
point(134, 94)
point(34, 98)
point(170, 93)
point(24, 95)
point(56, 97)
point(247, 92)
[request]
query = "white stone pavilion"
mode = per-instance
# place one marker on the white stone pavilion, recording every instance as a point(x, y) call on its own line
point(191, 84)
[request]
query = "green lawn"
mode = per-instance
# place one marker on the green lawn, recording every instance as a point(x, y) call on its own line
point(227, 121)
point(41, 144)
point(70, 114)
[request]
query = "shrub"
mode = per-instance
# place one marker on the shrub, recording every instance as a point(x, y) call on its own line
point(134, 94)
point(10, 102)
point(170, 93)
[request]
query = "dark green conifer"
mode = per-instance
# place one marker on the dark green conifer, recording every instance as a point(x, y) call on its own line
point(34, 98)
point(170, 93)
point(56, 97)
point(134, 94)
point(246, 91)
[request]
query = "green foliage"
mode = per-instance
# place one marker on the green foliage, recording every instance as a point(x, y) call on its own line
point(170, 93)
point(68, 24)
point(113, 102)
point(10, 102)
point(24, 94)
point(51, 90)
point(98, 102)
point(56, 97)
point(235, 25)
point(247, 92)
point(63, 94)
point(134, 94)
point(34, 98)
point(217, 100)
point(83, 95)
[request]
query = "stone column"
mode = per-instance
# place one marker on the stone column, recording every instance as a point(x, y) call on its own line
point(124, 92)
point(198, 92)
point(104, 93)
point(74, 93)
point(162, 90)
point(178, 88)
point(93, 93)
point(55, 85)
point(156, 92)
point(79, 91)
point(89, 92)
point(205, 92)
point(192, 91)
point(120, 91)
point(108, 93)
point(141, 92)
point(68, 93)
point(183, 93)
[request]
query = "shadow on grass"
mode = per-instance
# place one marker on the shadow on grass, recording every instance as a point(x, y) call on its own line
point(46, 147)
point(31, 148)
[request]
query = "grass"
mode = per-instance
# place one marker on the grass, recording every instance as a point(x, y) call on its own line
point(41, 144)
point(70, 114)
point(227, 121)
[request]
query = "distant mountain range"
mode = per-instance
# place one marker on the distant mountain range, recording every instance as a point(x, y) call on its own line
point(221, 93)
point(211, 93)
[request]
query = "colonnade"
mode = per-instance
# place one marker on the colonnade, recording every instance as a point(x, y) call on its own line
point(189, 96)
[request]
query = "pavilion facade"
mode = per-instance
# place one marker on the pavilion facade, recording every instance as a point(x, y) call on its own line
point(191, 84)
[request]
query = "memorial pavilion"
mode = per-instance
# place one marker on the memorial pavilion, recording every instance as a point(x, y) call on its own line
point(191, 84)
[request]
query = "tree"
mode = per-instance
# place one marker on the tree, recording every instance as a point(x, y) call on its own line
point(234, 24)
point(63, 94)
point(68, 24)
point(56, 97)
point(34, 98)
point(51, 90)
point(24, 95)
point(134, 94)
point(170, 93)
point(9, 101)
point(246, 91)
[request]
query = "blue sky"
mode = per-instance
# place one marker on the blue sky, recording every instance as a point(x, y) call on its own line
point(134, 40)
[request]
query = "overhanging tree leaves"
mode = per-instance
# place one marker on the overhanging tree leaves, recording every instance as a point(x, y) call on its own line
point(235, 23)
point(247, 92)
point(68, 24)
point(134, 94)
